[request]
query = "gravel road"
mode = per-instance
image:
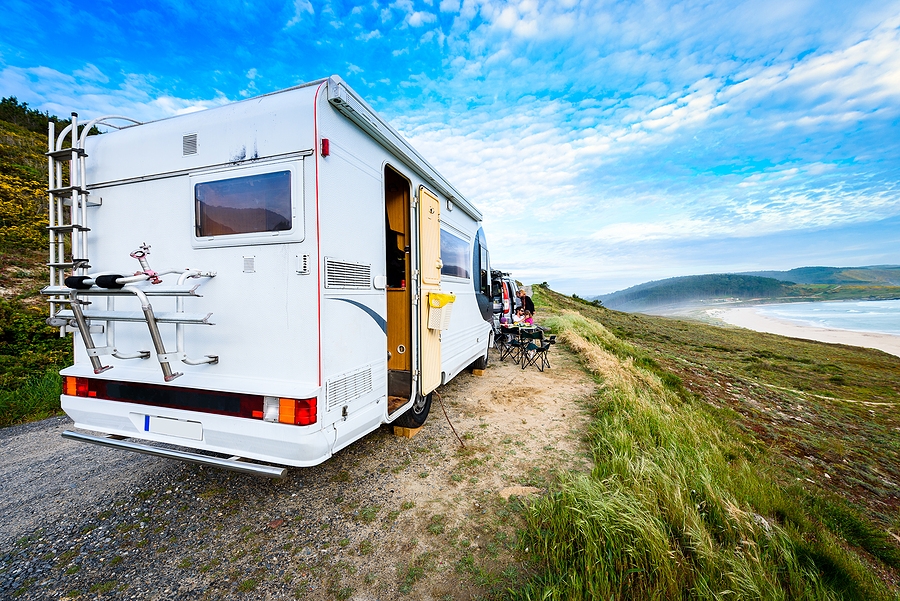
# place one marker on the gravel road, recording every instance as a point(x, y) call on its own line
point(386, 518)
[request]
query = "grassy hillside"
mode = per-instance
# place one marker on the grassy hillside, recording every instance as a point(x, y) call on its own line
point(864, 283)
point(876, 275)
point(728, 464)
point(686, 289)
point(29, 349)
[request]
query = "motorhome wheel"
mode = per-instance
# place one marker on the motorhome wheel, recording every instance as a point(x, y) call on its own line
point(416, 415)
point(482, 362)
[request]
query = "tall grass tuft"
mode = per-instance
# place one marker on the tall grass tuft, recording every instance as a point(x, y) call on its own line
point(676, 505)
point(36, 399)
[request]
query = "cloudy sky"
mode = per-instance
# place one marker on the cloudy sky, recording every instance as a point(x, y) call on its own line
point(607, 143)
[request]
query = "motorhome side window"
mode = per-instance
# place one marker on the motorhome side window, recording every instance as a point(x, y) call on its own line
point(481, 265)
point(244, 205)
point(454, 255)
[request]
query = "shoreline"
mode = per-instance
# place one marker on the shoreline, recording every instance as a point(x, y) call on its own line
point(749, 318)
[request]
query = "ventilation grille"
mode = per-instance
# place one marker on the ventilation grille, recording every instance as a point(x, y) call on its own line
point(250, 264)
point(189, 144)
point(346, 388)
point(342, 274)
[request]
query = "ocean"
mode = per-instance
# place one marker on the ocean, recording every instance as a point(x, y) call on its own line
point(859, 316)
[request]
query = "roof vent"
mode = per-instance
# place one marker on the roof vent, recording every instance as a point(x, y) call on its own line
point(189, 144)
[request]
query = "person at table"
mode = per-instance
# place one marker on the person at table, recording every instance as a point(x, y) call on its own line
point(518, 316)
point(528, 318)
point(527, 303)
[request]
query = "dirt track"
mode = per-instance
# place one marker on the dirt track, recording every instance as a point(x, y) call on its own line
point(386, 518)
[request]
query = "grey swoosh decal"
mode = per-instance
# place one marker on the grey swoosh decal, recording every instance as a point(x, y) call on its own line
point(381, 321)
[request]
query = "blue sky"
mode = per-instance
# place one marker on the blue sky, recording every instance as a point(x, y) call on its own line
point(607, 143)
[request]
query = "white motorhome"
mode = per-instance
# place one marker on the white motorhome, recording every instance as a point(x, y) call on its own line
point(269, 280)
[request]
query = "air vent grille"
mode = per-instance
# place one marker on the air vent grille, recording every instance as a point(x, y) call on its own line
point(189, 144)
point(343, 274)
point(250, 264)
point(348, 387)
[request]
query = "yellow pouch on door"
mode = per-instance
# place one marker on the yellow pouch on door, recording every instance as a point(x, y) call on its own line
point(440, 304)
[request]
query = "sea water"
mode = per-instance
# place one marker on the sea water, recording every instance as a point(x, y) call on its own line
point(859, 316)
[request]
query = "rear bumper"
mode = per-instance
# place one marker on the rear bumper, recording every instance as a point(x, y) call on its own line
point(281, 444)
point(255, 469)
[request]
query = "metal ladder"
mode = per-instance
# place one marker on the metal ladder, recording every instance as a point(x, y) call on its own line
point(69, 200)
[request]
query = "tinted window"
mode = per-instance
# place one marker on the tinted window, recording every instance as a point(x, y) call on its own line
point(454, 255)
point(243, 205)
point(481, 265)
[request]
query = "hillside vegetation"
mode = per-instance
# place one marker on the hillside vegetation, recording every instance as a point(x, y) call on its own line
point(685, 289)
point(813, 284)
point(875, 275)
point(727, 464)
point(30, 351)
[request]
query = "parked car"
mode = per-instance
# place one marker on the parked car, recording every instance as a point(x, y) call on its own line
point(504, 296)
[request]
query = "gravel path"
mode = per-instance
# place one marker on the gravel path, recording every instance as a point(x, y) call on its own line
point(46, 478)
point(387, 518)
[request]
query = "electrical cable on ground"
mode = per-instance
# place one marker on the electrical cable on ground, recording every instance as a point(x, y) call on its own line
point(441, 401)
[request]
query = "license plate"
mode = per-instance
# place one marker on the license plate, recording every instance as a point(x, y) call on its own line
point(173, 427)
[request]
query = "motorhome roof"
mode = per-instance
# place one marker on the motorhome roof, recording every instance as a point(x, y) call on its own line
point(350, 104)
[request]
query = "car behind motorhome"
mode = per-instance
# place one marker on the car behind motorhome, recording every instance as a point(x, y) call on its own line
point(269, 280)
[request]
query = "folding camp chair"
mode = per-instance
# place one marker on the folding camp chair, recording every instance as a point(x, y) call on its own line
point(535, 347)
point(510, 343)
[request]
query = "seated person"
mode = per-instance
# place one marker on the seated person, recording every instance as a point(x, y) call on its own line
point(528, 318)
point(519, 315)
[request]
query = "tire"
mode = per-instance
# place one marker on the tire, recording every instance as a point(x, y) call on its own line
point(482, 362)
point(415, 416)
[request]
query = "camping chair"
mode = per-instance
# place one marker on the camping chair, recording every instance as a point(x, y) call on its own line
point(510, 344)
point(534, 349)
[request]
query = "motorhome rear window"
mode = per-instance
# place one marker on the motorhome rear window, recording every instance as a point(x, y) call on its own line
point(454, 255)
point(244, 205)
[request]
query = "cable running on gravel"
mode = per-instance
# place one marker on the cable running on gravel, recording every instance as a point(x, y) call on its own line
point(441, 401)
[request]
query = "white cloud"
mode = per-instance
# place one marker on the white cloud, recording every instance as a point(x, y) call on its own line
point(371, 35)
point(92, 73)
point(302, 8)
point(136, 96)
point(419, 18)
point(251, 88)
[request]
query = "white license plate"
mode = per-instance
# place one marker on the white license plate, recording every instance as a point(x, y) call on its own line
point(173, 427)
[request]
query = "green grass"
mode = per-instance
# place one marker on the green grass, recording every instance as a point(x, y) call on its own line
point(247, 585)
point(36, 399)
point(685, 498)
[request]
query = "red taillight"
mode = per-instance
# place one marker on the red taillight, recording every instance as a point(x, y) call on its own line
point(306, 412)
point(297, 412)
point(73, 386)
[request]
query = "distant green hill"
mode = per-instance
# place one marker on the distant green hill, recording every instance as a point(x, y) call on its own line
point(875, 275)
point(801, 284)
point(686, 289)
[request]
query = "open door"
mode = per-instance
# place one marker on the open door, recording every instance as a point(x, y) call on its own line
point(399, 289)
point(429, 281)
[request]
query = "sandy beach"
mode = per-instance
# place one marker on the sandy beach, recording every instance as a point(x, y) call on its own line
point(748, 317)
